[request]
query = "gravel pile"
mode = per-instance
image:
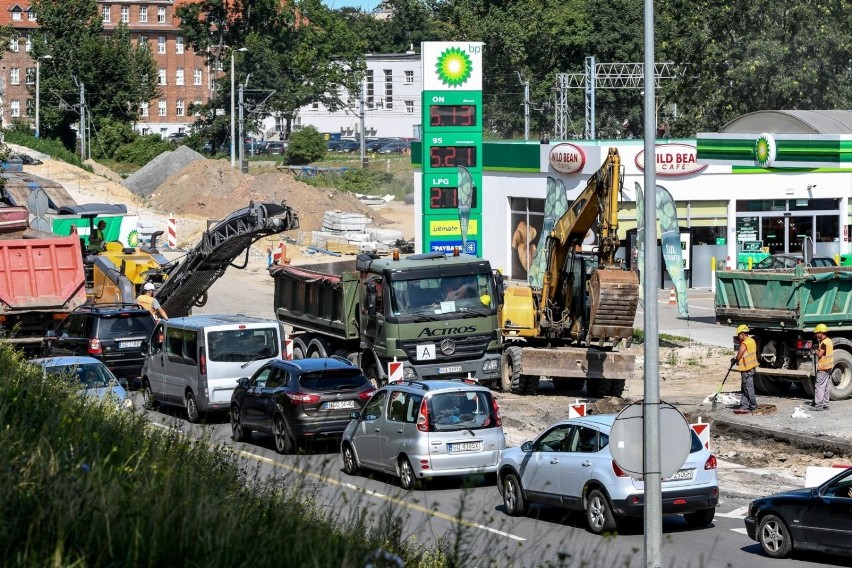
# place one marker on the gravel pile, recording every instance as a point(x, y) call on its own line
point(148, 178)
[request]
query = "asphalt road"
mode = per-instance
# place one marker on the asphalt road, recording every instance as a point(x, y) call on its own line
point(699, 326)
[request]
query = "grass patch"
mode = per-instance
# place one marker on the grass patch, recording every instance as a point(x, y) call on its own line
point(54, 148)
point(85, 483)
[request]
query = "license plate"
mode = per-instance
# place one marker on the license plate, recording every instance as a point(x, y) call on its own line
point(459, 447)
point(681, 475)
point(452, 369)
point(338, 404)
point(129, 344)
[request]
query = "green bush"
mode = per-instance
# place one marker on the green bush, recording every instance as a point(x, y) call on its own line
point(54, 148)
point(111, 136)
point(142, 150)
point(306, 145)
point(368, 182)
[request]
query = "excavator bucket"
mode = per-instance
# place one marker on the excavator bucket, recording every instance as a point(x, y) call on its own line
point(615, 295)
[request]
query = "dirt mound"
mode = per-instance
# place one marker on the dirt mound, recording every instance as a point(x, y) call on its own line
point(212, 189)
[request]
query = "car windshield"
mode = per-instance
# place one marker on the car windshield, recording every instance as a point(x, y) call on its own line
point(89, 375)
point(461, 410)
point(332, 380)
point(447, 294)
point(241, 345)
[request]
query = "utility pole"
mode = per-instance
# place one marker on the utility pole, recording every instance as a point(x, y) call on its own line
point(242, 138)
point(82, 122)
point(364, 159)
point(527, 105)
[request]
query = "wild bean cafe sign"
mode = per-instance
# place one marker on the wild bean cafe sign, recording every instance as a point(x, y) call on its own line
point(673, 159)
point(567, 158)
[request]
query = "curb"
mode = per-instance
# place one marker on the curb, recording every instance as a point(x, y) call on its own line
point(802, 440)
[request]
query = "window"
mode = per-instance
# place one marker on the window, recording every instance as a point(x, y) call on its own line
point(196, 76)
point(13, 44)
point(556, 440)
point(31, 15)
point(143, 109)
point(125, 14)
point(30, 107)
point(161, 44)
point(525, 214)
point(161, 108)
point(179, 108)
point(16, 14)
point(161, 15)
point(370, 89)
point(181, 346)
point(196, 107)
point(143, 42)
point(30, 74)
point(15, 109)
point(404, 407)
point(388, 89)
point(409, 107)
point(315, 105)
point(29, 44)
point(375, 408)
point(179, 76)
point(409, 77)
point(179, 45)
point(161, 77)
point(15, 76)
point(106, 14)
point(143, 14)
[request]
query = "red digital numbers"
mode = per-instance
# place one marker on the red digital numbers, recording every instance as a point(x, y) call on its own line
point(447, 198)
point(452, 115)
point(452, 156)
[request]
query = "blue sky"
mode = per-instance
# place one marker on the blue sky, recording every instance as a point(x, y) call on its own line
point(366, 5)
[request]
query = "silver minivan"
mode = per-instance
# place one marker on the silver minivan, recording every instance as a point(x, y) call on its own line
point(421, 429)
point(195, 361)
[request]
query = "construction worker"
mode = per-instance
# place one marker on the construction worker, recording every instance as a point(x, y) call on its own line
point(97, 238)
point(746, 362)
point(147, 300)
point(825, 362)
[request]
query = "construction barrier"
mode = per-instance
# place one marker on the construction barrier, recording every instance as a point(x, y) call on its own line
point(171, 232)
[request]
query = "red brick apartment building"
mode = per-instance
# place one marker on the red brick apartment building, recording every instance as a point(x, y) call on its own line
point(183, 77)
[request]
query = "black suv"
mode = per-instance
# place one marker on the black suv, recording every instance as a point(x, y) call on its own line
point(298, 399)
point(112, 333)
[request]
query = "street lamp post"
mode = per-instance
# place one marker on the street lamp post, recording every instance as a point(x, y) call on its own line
point(233, 142)
point(38, 93)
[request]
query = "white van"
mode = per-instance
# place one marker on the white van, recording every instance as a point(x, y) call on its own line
point(195, 361)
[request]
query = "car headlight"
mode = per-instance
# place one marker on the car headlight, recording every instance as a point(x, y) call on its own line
point(491, 365)
point(408, 373)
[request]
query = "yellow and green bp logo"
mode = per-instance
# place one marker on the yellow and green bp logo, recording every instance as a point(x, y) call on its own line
point(764, 150)
point(453, 67)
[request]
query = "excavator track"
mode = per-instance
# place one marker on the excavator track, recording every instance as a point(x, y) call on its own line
point(220, 245)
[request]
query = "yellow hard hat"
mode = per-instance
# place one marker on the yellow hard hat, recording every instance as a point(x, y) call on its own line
point(742, 329)
point(821, 328)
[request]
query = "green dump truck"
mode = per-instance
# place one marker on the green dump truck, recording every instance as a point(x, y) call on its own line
point(435, 313)
point(781, 308)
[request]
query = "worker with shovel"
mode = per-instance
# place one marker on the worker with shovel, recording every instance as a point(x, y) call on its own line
point(746, 361)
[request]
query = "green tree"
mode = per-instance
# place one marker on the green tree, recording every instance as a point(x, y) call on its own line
point(306, 145)
point(117, 76)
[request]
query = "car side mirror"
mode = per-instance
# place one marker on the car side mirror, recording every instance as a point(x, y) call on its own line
point(243, 381)
point(526, 447)
point(145, 347)
point(355, 416)
point(51, 334)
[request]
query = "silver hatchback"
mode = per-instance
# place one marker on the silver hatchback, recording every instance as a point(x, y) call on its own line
point(422, 429)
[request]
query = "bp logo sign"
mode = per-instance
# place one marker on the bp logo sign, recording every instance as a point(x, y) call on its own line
point(764, 150)
point(453, 67)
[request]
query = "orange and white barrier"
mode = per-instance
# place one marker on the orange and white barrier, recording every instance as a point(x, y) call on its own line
point(171, 232)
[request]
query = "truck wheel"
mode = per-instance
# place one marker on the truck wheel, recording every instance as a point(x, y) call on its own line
point(510, 369)
point(598, 388)
point(807, 385)
point(529, 384)
point(300, 349)
point(318, 348)
point(770, 386)
point(374, 377)
point(840, 386)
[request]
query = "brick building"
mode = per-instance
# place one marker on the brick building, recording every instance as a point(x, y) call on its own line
point(183, 76)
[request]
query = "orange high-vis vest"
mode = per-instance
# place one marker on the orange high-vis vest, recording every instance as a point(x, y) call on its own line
point(826, 362)
point(749, 360)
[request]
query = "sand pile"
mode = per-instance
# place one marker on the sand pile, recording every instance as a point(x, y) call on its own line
point(145, 181)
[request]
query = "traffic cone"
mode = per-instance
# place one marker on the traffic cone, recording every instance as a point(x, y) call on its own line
point(672, 297)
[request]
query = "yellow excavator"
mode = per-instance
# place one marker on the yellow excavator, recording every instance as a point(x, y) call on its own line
point(572, 327)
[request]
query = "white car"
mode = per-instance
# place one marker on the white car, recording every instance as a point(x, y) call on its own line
point(569, 465)
point(95, 378)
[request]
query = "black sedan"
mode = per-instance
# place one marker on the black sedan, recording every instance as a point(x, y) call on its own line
point(304, 398)
point(817, 519)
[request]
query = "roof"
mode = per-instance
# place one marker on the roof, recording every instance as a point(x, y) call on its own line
point(793, 122)
point(316, 363)
point(213, 320)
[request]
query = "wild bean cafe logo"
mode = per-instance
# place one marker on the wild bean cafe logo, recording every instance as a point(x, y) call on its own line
point(453, 67)
point(764, 150)
point(673, 160)
point(567, 158)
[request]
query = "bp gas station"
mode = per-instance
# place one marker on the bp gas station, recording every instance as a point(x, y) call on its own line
point(771, 177)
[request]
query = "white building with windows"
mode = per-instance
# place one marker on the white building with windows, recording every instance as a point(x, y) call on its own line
point(392, 94)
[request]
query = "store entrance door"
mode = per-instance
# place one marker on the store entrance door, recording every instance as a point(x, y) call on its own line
point(773, 231)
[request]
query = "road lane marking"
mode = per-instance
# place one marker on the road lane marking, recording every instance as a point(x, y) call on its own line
point(377, 495)
point(739, 513)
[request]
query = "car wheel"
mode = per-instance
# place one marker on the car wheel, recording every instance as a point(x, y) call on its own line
point(407, 480)
point(774, 537)
point(239, 433)
point(700, 518)
point(513, 496)
point(350, 462)
point(192, 413)
point(599, 513)
point(283, 443)
point(148, 401)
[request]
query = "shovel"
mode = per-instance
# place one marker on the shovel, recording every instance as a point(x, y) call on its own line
point(719, 390)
